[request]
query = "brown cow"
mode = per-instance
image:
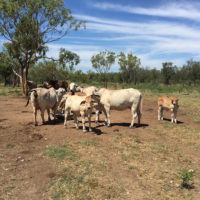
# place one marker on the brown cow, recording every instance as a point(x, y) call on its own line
point(166, 103)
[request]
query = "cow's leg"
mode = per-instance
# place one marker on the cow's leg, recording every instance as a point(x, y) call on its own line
point(83, 120)
point(35, 115)
point(172, 116)
point(107, 114)
point(134, 114)
point(159, 112)
point(97, 117)
point(49, 118)
point(175, 113)
point(139, 114)
point(42, 116)
point(76, 121)
point(89, 120)
point(54, 113)
point(66, 115)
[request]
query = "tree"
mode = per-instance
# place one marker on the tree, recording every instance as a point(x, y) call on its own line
point(193, 68)
point(5, 68)
point(168, 71)
point(102, 63)
point(68, 59)
point(129, 67)
point(30, 25)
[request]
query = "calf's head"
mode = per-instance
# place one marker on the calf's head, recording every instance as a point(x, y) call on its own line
point(174, 101)
point(88, 103)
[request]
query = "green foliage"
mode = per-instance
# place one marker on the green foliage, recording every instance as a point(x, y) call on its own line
point(9, 91)
point(5, 68)
point(168, 71)
point(48, 70)
point(30, 25)
point(186, 176)
point(102, 63)
point(69, 58)
point(129, 66)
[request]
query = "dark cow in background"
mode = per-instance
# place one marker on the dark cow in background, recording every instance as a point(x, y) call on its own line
point(56, 84)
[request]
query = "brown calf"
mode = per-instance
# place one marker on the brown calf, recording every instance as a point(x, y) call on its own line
point(166, 103)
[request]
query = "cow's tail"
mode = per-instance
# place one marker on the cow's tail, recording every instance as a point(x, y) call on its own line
point(139, 111)
point(29, 96)
point(141, 104)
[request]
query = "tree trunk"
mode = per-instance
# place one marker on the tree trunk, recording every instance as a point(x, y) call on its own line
point(26, 80)
point(21, 80)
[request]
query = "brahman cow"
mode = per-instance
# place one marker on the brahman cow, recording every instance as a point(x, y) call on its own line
point(120, 100)
point(78, 105)
point(45, 99)
point(166, 103)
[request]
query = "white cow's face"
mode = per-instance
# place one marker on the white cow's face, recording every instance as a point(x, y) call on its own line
point(73, 87)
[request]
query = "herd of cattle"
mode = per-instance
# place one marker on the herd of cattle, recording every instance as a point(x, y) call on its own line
point(59, 97)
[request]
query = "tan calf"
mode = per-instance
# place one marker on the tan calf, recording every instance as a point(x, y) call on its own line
point(166, 103)
point(79, 106)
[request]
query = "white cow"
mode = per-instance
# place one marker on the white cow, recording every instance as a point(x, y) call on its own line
point(45, 99)
point(120, 100)
point(87, 90)
point(78, 105)
point(72, 87)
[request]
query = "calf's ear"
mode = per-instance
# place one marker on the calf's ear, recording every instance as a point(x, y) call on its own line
point(82, 102)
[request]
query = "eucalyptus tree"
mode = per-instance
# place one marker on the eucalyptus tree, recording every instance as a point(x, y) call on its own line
point(30, 25)
point(102, 63)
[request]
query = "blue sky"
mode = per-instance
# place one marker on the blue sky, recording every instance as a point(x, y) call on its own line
point(154, 30)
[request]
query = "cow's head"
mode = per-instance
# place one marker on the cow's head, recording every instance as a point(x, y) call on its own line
point(88, 103)
point(96, 97)
point(73, 87)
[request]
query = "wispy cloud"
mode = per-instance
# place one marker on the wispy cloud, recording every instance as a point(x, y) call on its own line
point(145, 28)
point(173, 10)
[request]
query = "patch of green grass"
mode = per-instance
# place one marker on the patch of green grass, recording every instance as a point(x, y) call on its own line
point(10, 146)
point(8, 190)
point(62, 152)
point(161, 148)
point(9, 91)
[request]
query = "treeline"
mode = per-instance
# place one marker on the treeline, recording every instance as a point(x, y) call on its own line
point(188, 74)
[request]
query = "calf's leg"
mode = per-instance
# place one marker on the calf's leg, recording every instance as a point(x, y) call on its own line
point(83, 121)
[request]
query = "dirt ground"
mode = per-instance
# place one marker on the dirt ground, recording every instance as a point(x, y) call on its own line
point(143, 161)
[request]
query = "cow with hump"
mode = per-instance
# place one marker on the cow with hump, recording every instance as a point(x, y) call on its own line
point(166, 103)
point(45, 99)
point(120, 100)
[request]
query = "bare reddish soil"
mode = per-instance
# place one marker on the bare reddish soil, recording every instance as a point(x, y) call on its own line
point(25, 172)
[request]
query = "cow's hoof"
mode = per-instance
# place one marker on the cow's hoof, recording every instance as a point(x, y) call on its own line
point(131, 127)
point(84, 131)
point(65, 127)
point(90, 130)
point(108, 125)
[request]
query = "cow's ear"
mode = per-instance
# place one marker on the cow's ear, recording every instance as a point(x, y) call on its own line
point(82, 102)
